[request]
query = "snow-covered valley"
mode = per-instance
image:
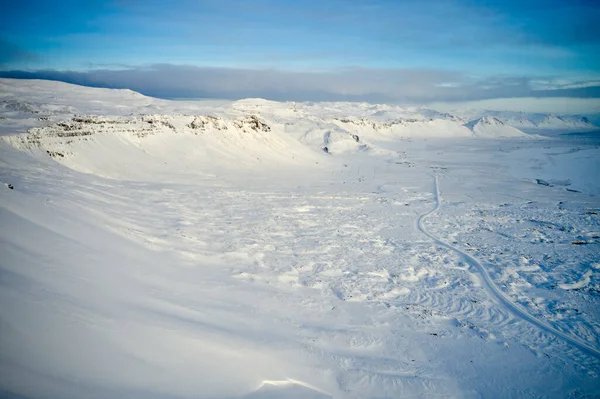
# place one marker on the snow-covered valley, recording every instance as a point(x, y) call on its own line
point(254, 249)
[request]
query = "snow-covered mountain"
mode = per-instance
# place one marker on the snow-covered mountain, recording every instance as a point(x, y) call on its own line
point(139, 144)
point(566, 123)
point(534, 121)
point(492, 127)
point(76, 126)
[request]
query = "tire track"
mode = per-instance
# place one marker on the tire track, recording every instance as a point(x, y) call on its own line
point(504, 299)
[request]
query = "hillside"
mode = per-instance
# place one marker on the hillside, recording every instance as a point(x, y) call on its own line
point(491, 127)
point(78, 127)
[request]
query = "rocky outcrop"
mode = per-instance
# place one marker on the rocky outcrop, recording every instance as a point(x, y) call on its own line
point(56, 138)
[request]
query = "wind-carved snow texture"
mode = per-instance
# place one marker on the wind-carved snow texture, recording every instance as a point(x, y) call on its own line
point(503, 298)
point(215, 250)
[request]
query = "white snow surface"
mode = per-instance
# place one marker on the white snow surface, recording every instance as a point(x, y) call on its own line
point(492, 127)
point(255, 249)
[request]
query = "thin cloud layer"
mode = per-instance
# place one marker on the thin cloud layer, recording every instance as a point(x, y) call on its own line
point(412, 51)
point(359, 84)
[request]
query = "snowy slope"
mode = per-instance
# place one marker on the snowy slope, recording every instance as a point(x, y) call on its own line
point(557, 122)
point(404, 128)
point(216, 250)
point(164, 144)
point(532, 121)
point(491, 127)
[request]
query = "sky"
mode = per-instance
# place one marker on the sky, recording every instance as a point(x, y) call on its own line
point(412, 51)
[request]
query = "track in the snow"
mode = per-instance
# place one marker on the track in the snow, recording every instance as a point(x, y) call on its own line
point(493, 289)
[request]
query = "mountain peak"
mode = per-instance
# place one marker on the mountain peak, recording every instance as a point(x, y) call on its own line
point(485, 121)
point(490, 126)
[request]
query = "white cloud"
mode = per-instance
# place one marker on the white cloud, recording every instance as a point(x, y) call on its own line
point(416, 86)
point(559, 105)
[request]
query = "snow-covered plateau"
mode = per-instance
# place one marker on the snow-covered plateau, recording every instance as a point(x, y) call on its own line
point(257, 249)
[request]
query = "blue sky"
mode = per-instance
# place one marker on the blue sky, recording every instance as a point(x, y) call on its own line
point(386, 50)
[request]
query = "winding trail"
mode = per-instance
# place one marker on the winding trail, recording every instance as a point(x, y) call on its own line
point(504, 299)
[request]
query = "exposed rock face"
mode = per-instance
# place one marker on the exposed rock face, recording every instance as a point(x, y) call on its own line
point(55, 139)
point(252, 122)
point(377, 126)
point(207, 122)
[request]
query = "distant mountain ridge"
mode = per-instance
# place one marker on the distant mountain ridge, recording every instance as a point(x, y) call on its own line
point(490, 126)
point(538, 121)
point(25, 101)
point(62, 119)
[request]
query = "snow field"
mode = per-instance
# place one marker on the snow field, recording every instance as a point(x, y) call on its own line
point(179, 265)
